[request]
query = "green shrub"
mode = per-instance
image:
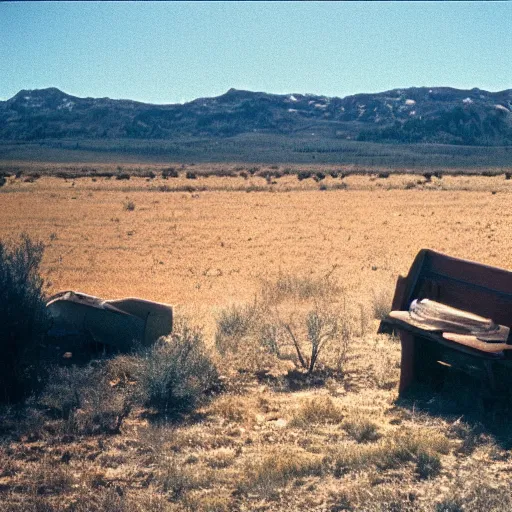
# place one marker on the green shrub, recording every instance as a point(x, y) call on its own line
point(23, 319)
point(176, 373)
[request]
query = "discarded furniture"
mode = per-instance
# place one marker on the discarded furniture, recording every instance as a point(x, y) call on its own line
point(120, 323)
point(480, 345)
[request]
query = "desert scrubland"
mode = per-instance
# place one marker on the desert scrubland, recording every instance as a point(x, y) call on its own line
point(232, 253)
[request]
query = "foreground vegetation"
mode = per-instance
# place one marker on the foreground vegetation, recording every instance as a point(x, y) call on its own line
point(224, 415)
point(277, 417)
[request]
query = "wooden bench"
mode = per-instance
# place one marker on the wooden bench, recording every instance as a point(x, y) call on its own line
point(466, 285)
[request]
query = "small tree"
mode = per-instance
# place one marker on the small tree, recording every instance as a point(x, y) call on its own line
point(23, 319)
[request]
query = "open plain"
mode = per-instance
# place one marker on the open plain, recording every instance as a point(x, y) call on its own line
point(338, 440)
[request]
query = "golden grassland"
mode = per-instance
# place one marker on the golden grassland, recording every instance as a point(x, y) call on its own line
point(339, 441)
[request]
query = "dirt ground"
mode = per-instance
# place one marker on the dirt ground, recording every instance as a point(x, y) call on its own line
point(207, 248)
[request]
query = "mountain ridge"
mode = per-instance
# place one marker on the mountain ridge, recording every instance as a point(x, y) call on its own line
point(405, 115)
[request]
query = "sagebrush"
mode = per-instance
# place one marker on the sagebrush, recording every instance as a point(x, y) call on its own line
point(23, 319)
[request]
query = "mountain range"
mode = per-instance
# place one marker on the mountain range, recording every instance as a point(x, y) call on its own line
point(412, 115)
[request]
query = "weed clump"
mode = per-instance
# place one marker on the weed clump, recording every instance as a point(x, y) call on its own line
point(420, 448)
point(317, 411)
point(381, 303)
point(301, 288)
point(233, 324)
point(361, 430)
point(277, 469)
point(428, 465)
point(85, 400)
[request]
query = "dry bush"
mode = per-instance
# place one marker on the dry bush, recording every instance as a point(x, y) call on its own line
point(321, 410)
point(221, 458)
point(177, 373)
point(277, 468)
point(376, 498)
point(211, 502)
point(310, 335)
point(237, 338)
point(361, 430)
point(471, 436)
point(234, 409)
point(258, 335)
point(385, 366)
point(299, 288)
point(391, 453)
point(408, 446)
point(303, 331)
point(428, 465)
point(234, 324)
point(23, 318)
point(46, 478)
point(110, 499)
point(86, 401)
point(364, 319)
point(478, 497)
point(381, 303)
point(175, 479)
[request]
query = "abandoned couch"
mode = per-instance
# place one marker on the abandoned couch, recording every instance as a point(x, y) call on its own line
point(121, 323)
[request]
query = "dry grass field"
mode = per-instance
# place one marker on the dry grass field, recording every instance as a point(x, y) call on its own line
point(231, 253)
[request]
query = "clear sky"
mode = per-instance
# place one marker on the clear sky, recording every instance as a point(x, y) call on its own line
point(178, 51)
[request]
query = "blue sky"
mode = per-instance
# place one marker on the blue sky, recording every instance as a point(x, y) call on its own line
point(177, 51)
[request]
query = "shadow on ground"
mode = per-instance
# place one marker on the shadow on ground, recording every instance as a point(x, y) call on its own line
point(462, 399)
